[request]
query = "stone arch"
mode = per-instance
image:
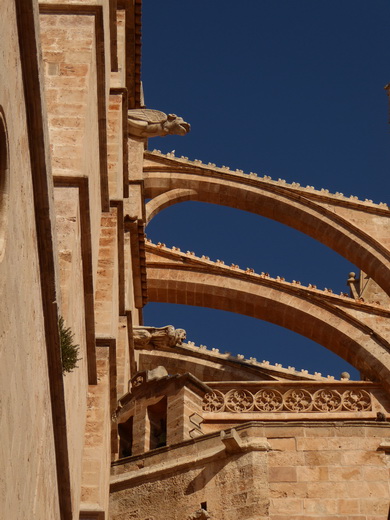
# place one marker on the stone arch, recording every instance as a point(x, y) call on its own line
point(167, 199)
point(355, 230)
point(356, 332)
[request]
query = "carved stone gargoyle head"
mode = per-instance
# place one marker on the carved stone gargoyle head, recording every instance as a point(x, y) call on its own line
point(176, 125)
point(145, 122)
point(149, 337)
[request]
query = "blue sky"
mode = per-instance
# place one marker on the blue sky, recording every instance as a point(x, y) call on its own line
point(291, 89)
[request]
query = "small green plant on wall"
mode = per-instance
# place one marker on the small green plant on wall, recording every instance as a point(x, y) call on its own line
point(69, 351)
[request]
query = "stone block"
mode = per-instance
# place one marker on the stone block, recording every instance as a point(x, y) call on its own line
point(283, 474)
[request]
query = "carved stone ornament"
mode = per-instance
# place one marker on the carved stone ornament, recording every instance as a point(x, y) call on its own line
point(295, 400)
point(357, 400)
point(327, 401)
point(268, 400)
point(239, 401)
point(145, 122)
point(166, 336)
point(214, 401)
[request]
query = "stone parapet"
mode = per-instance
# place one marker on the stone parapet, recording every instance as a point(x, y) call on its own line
point(264, 400)
point(259, 470)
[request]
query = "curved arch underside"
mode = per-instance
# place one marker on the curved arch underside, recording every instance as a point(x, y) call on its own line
point(355, 331)
point(359, 231)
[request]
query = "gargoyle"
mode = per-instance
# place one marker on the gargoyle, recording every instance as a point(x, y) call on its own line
point(166, 336)
point(145, 122)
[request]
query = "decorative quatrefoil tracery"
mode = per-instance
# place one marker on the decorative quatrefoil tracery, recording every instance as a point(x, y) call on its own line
point(296, 400)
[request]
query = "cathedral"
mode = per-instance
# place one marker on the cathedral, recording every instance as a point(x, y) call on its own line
point(106, 417)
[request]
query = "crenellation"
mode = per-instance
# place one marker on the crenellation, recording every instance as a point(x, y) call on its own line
point(264, 275)
point(268, 179)
point(253, 361)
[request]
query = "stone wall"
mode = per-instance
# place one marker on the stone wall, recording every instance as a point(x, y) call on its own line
point(26, 428)
point(310, 471)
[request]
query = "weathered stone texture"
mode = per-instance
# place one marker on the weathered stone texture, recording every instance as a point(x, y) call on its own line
point(311, 471)
point(232, 488)
point(26, 429)
point(96, 456)
point(312, 448)
point(72, 310)
point(69, 55)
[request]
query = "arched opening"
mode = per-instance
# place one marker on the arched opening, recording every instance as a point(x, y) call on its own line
point(4, 181)
point(249, 337)
point(249, 241)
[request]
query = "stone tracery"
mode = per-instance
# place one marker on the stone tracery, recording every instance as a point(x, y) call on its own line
point(293, 400)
